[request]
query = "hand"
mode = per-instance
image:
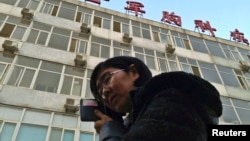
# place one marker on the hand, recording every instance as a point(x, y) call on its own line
point(103, 119)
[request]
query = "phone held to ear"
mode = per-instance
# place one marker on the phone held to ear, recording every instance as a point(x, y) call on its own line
point(87, 111)
point(87, 108)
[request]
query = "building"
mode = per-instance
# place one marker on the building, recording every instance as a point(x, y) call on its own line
point(49, 48)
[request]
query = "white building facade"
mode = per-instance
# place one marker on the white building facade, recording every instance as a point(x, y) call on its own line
point(50, 47)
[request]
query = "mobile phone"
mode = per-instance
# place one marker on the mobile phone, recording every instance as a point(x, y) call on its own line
point(87, 108)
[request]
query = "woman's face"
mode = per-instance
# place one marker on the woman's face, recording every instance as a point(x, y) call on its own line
point(114, 85)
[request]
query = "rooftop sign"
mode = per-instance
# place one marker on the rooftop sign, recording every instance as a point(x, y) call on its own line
point(171, 18)
point(204, 26)
point(238, 36)
point(135, 7)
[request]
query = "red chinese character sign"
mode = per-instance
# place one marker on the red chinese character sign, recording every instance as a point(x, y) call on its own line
point(204, 26)
point(171, 18)
point(239, 36)
point(135, 7)
point(96, 1)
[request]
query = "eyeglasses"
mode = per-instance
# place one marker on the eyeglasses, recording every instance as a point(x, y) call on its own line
point(105, 82)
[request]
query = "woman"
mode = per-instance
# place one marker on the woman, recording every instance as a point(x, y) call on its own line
point(172, 106)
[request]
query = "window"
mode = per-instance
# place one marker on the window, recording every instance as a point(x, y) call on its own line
point(50, 7)
point(85, 136)
point(97, 21)
point(40, 125)
point(58, 134)
point(3, 71)
point(209, 72)
point(146, 55)
point(229, 115)
point(100, 47)
point(198, 44)
point(180, 40)
point(243, 115)
point(165, 62)
point(87, 89)
point(59, 39)
point(42, 81)
point(99, 50)
point(164, 37)
point(121, 25)
point(29, 132)
point(242, 109)
point(136, 29)
point(10, 113)
point(189, 66)
point(7, 130)
point(229, 55)
point(68, 135)
point(228, 76)
point(106, 23)
point(78, 44)
point(155, 33)
point(30, 4)
point(10, 2)
point(116, 26)
point(39, 33)
point(102, 20)
point(145, 31)
point(141, 30)
point(4, 66)
point(244, 81)
point(214, 49)
point(48, 77)
point(13, 28)
point(21, 77)
point(55, 134)
point(36, 117)
point(72, 85)
point(83, 15)
point(156, 36)
point(121, 49)
point(23, 72)
point(246, 76)
point(67, 11)
point(19, 32)
point(65, 121)
point(245, 54)
point(231, 52)
point(2, 20)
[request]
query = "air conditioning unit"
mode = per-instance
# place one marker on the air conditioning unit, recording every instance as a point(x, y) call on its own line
point(10, 47)
point(79, 61)
point(27, 14)
point(244, 65)
point(126, 38)
point(170, 48)
point(70, 106)
point(85, 29)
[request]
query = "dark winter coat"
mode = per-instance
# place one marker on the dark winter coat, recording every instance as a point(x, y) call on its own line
point(173, 106)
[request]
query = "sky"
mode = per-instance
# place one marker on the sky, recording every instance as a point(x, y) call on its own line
point(223, 15)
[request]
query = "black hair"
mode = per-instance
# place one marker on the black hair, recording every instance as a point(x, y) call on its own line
point(120, 62)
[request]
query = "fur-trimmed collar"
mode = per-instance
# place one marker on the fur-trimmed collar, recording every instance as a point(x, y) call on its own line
point(196, 89)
